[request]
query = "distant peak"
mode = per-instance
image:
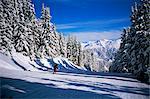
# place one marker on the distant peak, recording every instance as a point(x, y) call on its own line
point(104, 40)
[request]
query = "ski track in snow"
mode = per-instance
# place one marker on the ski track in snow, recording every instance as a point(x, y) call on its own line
point(27, 84)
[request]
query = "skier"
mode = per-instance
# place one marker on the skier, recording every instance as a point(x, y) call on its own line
point(55, 68)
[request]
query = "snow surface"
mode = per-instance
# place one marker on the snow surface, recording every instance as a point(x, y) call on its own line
point(71, 82)
point(7, 62)
point(21, 62)
point(27, 84)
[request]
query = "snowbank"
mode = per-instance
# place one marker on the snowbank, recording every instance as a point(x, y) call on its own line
point(6, 62)
point(21, 62)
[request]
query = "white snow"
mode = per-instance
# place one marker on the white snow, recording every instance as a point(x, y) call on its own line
point(67, 65)
point(6, 62)
point(68, 84)
point(21, 62)
point(24, 61)
point(37, 83)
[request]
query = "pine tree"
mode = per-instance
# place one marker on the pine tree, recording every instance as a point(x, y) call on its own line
point(120, 62)
point(45, 30)
point(89, 60)
point(31, 26)
point(55, 41)
point(79, 54)
point(69, 48)
point(6, 21)
point(142, 41)
point(38, 39)
point(62, 45)
point(20, 33)
point(86, 59)
point(73, 50)
point(48, 38)
point(136, 48)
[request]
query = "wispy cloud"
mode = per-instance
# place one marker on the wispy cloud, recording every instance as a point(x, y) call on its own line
point(65, 26)
point(90, 36)
point(100, 23)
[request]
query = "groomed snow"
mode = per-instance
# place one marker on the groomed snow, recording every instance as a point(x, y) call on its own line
point(27, 84)
point(71, 82)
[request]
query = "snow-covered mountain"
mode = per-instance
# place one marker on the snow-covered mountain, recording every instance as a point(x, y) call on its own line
point(104, 50)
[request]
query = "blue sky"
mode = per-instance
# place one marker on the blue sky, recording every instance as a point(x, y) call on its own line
point(88, 19)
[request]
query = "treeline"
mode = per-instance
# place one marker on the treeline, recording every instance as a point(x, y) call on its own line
point(134, 53)
point(21, 31)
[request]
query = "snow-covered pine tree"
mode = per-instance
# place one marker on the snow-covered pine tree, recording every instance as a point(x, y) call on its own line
point(131, 38)
point(94, 64)
point(136, 47)
point(31, 27)
point(73, 50)
point(19, 34)
point(55, 41)
point(22, 31)
point(62, 45)
point(38, 39)
point(45, 31)
point(86, 59)
point(33, 39)
point(69, 47)
point(79, 54)
point(120, 62)
point(13, 15)
point(142, 41)
point(89, 60)
point(49, 38)
point(6, 21)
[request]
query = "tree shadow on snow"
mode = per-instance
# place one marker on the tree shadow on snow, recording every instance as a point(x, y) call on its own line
point(112, 88)
point(18, 64)
point(16, 88)
point(124, 89)
point(122, 77)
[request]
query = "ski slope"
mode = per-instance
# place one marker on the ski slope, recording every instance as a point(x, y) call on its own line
point(27, 84)
point(37, 80)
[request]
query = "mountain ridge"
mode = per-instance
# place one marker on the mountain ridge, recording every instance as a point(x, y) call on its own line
point(104, 51)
